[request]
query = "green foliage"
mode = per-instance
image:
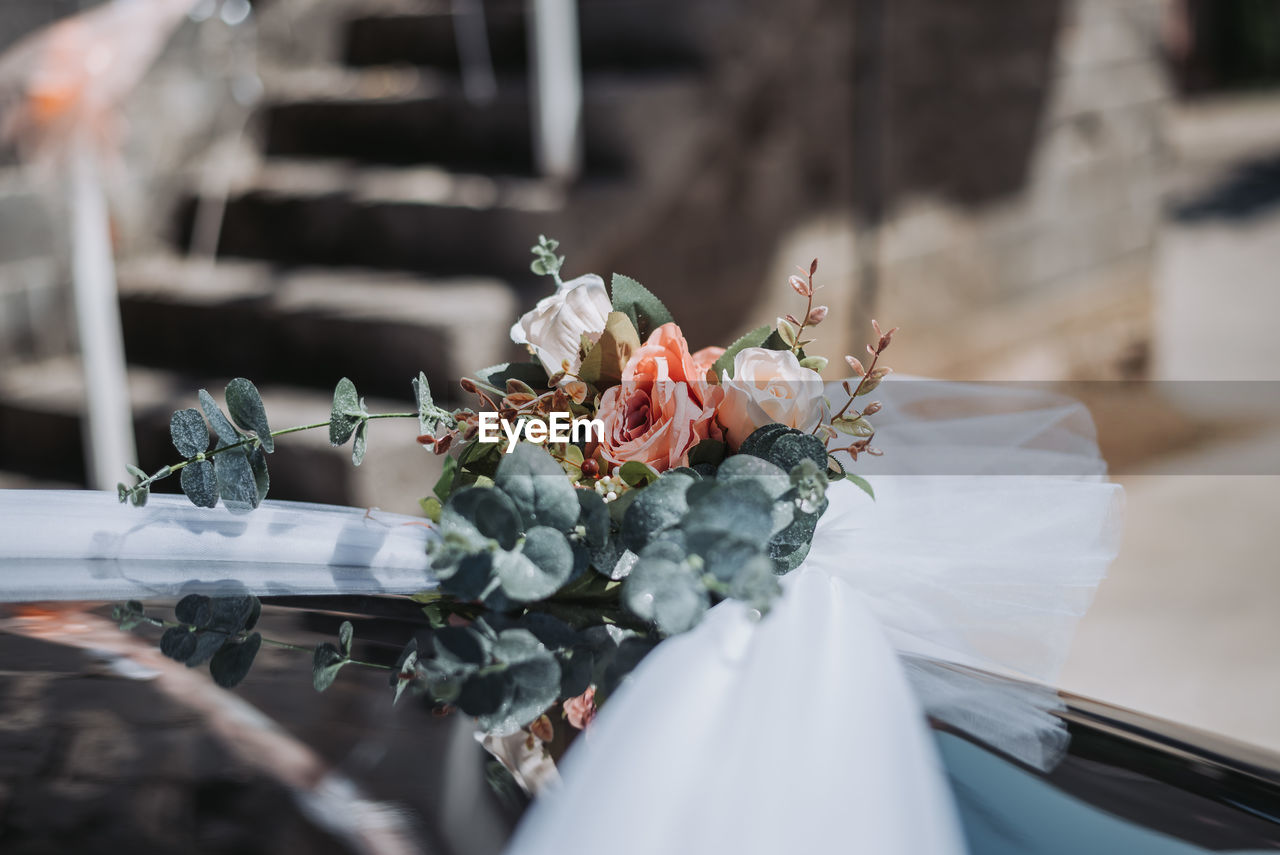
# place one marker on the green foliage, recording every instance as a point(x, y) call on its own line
point(862, 484)
point(545, 261)
point(245, 405)
point(216, 630)
point(637, 473)
point(347, 413)
point(189, 432)
point(755, 338)
point(199, 483)
point(602, 366)
point(538, 486)
point(642, 308)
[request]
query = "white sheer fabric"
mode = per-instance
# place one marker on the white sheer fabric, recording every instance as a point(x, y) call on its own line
point(798, 733)
point(85, 545)
point(801, 732)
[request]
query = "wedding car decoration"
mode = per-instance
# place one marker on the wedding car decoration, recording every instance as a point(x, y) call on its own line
point(595, 500)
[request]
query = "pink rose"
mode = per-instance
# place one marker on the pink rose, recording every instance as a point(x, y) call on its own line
point(705, 358)
point(663, 407)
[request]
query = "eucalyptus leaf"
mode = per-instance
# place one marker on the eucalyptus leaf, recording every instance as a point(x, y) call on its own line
point(793, 447)
point(199, 482)
point(593, 517)
point(325, 665)
point(739, 467)
point(261, 478)
point(194, 609)
point(245, 405)
point(178, 643)
point(189, 432)
point(666, 594)
point(361, 442)
point(225, 431)
point(491, 511)
point(346, 413)
point(237, 484)
point(708, 451)
point(659, 506)
point(539, 487)
point(232, 662)
point(539, 570)
point(761, 440)
point(345, 635)
point(638, 303)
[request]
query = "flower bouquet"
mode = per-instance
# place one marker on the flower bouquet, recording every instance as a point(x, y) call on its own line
point(594, 500)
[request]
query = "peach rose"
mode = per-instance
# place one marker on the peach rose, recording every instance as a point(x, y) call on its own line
point(705, 358)
point(662, 408)
point(768, 386)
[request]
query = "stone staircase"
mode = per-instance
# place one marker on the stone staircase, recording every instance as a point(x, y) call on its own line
point(381, 228)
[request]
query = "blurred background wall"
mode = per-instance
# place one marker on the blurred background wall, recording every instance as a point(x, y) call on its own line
point(1059, 190)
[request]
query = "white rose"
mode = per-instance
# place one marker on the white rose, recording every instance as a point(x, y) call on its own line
point(768, 386)
point(555, 326)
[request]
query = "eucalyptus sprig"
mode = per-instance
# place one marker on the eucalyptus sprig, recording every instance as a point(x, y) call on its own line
point(234, 471)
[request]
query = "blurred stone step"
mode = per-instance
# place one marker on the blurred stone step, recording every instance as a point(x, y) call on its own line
point(615, 34)
point(426, 220)
point(401, 116)
point(41, 405)
point(309, 327)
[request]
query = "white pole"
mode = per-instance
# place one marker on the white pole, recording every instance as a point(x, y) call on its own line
point(556, 67)
point(108, 420)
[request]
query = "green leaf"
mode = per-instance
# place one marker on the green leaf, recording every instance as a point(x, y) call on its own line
point(232, 614)
point(189, 432)
point(178, 643)
point(431, 508)
point(655, 509)
point(245, 405)
point(539, 569)
point(444, 484)
point(793, 447)
point(594, 518)
point(261, 478)
point(855, 426)
point(666, 594)
point(773, 480)
point(491, 511)
point(361, 442)
point(345, 635)
point(406, 669)
point(788, 333)
point(602, 366)
point(636, 473)
point(199, 482)
point(539, 487)
point(428, 412)
point(645, 311)
point(232, 662)
point(532, 374)
point(862, 484)
point(194, 609)
point(708, 451)
point(814, 363)
point(346, 413)
point(237, 484)
point(325, 665)
point(755, 338)
point(226, 432)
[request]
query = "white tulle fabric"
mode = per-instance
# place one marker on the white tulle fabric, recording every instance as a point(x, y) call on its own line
point(806, 731)
point(85, 545)
point(803, 731)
